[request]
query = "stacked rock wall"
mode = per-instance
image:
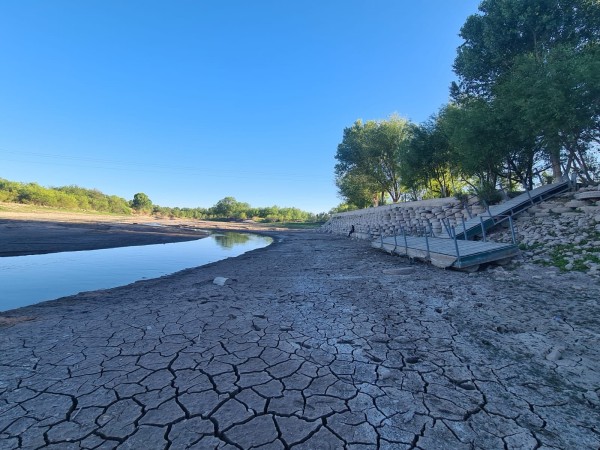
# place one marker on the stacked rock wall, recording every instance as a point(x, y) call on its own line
point(390, 219)
point(562, 232)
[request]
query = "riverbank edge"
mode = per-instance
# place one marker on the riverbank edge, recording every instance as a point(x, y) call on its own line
point(20, 237)
point(15, 315)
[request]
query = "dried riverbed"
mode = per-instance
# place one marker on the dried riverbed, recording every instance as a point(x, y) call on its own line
point(317, 341)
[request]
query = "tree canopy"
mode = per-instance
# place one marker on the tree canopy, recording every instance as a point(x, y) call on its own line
point(368, 166)
point(535, 64)
point(527, 99)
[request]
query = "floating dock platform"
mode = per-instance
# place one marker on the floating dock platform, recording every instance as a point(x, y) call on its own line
point(447, 253)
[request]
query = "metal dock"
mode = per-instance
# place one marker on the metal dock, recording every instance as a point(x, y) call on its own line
point(446, 253)
point(459, 252)
point(476, 226)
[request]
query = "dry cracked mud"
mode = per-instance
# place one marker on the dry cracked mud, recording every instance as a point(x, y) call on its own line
point(315, 342)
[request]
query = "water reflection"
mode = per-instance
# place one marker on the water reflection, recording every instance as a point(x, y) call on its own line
point(230, 239)
point(25, 280)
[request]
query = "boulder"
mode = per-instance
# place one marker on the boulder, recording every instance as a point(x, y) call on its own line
point(576, 204)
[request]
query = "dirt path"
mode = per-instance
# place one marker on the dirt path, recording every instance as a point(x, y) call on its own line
point(315, 342)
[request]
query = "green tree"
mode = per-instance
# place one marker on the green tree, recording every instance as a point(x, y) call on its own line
point(369, 159)
point(426, 163)
point(518, 51)
point(229, 208)
point(141, 203)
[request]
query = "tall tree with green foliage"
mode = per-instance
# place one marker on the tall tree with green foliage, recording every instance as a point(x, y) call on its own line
point(536, 59)
point(369, 159)
point(427, 162)
point(141, 203)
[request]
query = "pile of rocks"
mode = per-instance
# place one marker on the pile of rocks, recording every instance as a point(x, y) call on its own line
point(562, 232)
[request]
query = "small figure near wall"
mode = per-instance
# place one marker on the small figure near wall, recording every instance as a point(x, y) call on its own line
point(351, 231)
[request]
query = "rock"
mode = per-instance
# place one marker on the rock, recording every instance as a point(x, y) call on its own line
point(400, 271)
point(556, 353)
point(220, 281)
point(575, 204)
point(559, 210)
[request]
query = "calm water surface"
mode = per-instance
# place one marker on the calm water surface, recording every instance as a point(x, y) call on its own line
point(25, 280)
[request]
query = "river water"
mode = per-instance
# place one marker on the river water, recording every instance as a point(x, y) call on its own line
point(25, 280)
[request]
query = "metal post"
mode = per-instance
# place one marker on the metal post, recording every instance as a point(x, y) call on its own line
point(482, 228)
point(447, 226)
point(455, 243)
point(529, 195)
point(395, 239)
point(512, 230)
point(405, 243)
point(427, 244)
point(464, 227)
point(381, 237)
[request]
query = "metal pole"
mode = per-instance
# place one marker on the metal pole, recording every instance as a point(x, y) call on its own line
point(405, 243)
point(427, 244)
point(464, 227)
point(395, 239)
point(529, 195)
point(482, 228)
point(381, 237)
point(512, 230)
point(447, 226)
point(455, 243)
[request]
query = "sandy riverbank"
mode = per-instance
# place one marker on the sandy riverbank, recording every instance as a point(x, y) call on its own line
point(28, 233)
point(317, 341)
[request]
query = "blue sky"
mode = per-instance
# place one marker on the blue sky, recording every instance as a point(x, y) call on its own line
point(191, 101)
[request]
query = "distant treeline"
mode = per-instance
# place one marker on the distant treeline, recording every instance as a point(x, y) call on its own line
point(78, 198)
point(67, 197)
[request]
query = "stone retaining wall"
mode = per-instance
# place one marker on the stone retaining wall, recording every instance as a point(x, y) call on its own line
point(389, 219)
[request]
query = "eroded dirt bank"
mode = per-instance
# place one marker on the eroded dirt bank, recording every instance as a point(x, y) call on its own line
point(36, 237)
point(314, 342)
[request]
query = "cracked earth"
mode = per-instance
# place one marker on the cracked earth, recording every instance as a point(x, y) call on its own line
point(316, 342)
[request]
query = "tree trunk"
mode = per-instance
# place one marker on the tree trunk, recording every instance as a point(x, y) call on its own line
point(555, 161)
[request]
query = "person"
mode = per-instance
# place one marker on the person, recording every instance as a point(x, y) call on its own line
point(351, 231)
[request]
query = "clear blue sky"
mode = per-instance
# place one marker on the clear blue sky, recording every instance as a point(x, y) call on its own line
point(190, 101)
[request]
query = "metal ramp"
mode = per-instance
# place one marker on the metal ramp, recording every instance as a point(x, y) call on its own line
point(446, 253)
point(476, 226)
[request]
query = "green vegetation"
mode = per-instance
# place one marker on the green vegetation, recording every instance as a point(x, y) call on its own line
point(75, 198)
point(368, 158)
point(527, 99)
point(562, 254)
point(67, 197)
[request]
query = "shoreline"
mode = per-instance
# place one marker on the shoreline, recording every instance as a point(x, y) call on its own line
point(20, 236)
point(315, 340)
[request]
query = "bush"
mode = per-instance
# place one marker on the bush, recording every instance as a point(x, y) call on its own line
point(489, 194)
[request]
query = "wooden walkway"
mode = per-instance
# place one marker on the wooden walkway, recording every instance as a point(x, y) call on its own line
point(447, 253)
point(473, 227)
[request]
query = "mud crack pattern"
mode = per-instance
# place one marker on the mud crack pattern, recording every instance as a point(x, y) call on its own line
point(310, 345)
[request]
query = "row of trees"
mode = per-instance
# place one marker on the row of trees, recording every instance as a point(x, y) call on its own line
point(229, 208)
point(66, 197)
point(527, 100)
point(77, 198)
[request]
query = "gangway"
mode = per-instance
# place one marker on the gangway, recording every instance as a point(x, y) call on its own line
point(477, 226)
point(459, 252)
